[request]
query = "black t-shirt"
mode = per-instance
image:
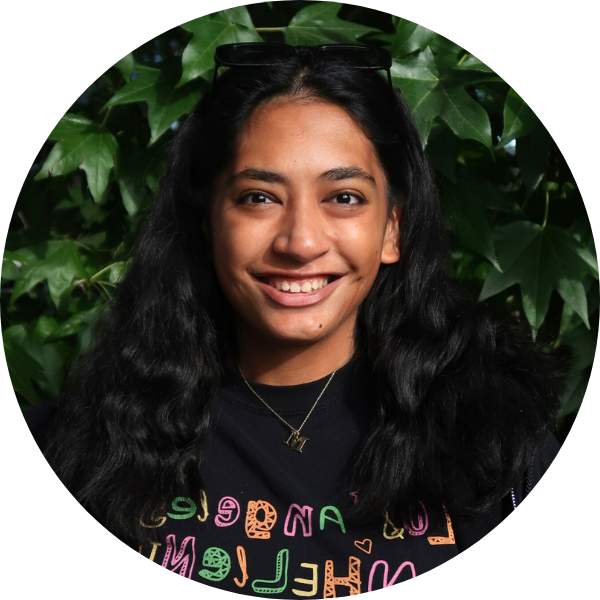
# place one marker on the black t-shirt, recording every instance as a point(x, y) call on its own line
point(269, 520)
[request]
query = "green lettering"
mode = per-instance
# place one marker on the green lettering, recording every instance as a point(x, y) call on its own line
point(183, 512)
point(215, 558)
point(265, 586)
point(337, 518)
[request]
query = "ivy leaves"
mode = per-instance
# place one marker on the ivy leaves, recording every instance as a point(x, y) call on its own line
point(541, 260)
point(319, 24)
point(157, 88)
point(226, 27)
point(82, 144)
point(432, 94)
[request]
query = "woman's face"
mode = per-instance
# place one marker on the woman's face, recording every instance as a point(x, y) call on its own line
point(299, 223)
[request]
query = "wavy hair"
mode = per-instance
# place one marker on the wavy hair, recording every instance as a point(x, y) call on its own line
point(454, 391)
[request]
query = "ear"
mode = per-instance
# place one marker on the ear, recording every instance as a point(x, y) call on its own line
point(390, 252)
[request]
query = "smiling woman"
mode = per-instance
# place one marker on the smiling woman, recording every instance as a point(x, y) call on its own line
point(299, 227)
point(290, 286)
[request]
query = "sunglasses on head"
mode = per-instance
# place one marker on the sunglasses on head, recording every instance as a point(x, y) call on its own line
point(260, 54)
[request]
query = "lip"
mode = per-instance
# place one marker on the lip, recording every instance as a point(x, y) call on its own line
point(299, 299)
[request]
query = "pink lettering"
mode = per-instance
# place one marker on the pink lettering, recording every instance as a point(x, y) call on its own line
point(229, 512)
point(182, 561)
point(386, 570)
point(418, 520)
point(300, 514)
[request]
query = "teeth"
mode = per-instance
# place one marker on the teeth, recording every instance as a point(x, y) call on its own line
point(294, 287)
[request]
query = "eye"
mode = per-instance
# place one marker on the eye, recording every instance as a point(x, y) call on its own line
point(255, 198)
point(347, 199)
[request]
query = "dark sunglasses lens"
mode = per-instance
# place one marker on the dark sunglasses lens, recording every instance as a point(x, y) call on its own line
point(358, 56)
point(252, 54)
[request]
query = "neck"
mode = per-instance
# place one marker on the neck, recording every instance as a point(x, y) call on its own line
point(273, 362)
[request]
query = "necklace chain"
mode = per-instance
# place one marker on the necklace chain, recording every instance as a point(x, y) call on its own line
point(294, 441)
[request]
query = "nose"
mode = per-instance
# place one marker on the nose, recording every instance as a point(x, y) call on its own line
point(302, 233)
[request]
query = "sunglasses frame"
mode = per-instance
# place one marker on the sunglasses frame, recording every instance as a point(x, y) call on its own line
point(288, 51)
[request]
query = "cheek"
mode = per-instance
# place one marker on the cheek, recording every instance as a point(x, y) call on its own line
point(362, 248)
point(235, 248)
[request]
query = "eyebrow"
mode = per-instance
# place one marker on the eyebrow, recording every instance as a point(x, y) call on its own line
point(340, 173)
point(259, 175)
point(335, 174)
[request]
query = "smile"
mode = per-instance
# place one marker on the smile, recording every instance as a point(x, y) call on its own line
point(298, 291)
point(296, 286)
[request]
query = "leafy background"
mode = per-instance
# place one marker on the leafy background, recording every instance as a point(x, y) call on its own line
point(521, 240)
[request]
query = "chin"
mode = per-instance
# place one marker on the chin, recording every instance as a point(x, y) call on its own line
point(301, 333)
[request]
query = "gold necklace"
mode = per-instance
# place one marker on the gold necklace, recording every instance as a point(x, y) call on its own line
point(294, 440)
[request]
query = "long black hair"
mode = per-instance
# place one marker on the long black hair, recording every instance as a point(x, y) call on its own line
point(450, 385)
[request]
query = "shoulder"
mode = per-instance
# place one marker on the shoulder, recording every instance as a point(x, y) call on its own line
point(470, 529)
point(545, 452)
point(39, 418)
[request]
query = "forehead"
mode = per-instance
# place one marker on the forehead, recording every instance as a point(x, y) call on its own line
point(304, 135)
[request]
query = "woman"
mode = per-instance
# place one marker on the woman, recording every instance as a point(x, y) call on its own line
point(288, 397)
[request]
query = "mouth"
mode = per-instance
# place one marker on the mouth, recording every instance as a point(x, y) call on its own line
point(295, 285)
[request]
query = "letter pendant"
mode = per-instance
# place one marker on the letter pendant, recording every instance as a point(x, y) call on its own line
point(296, 441)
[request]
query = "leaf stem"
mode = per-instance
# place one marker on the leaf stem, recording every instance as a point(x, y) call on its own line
point(269, 29)
point(23, 219)
point(106, 116)
point(102, 290)
point(463, 58)
point(93, 277)
point(547, 207)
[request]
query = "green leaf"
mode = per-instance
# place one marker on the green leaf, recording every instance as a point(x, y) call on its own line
point(75, 324)
point(519, 119)
point(132, 181)
point(573, 393)
point(166, 103)
point(11, 268)
point(318, 24)
point(51, 357)
point(464, 205)
point(464, 116)
point(411, 37)
point(582, 342)
point(60, 266)
point(23, 369)
point(473, 64)
point(430, 94)
point(126, 65)
point(486, 193)
point(540, 261)
point(225, 27)
point(533, 156)
point(581, 230)
point(417, 77)
point(442, 150)
point(465, 218)
point(82, 144)
point(404, 41)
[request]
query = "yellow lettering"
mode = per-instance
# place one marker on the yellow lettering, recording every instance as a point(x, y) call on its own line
point(313, 581)
point(203, 512)
point(395, 531)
